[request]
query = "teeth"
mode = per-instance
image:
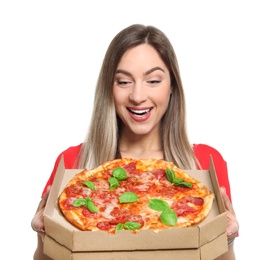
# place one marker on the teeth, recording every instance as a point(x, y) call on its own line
point(139, 112)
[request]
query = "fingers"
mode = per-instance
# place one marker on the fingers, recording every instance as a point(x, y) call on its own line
point(37, 222)
point(232, 225)
point(226, 200)
point(232, 229)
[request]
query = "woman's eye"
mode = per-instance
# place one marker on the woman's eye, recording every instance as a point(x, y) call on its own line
point(154, 82)
point(123, 82)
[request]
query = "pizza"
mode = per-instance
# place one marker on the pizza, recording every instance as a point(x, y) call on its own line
point(128, 194)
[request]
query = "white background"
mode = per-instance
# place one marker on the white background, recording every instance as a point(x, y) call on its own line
point(50, 56)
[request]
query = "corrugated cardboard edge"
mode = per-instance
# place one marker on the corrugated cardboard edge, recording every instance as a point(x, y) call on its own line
point(209, 251)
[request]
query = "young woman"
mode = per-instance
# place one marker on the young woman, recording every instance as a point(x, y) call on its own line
point(139, 112)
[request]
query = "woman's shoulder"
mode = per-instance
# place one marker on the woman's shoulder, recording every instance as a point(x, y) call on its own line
point(70, 155)
point(72, 149)
point(205, 148)
point(203, 153)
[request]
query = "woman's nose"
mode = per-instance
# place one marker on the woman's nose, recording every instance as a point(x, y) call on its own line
point(138, 93)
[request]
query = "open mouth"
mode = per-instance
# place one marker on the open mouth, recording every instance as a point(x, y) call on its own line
point(140, 112)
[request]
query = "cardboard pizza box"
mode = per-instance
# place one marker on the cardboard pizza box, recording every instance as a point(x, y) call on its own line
point(209, 251)
point(207, 240)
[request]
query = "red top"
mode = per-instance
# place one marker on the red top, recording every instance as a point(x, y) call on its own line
point(201, 151)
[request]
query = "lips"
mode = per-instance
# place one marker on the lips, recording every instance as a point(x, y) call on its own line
point(139, 112)
point(140, 115)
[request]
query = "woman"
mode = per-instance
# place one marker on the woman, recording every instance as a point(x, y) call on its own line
point(139, 112)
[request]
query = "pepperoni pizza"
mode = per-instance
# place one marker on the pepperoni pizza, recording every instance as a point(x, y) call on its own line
point(134, 194)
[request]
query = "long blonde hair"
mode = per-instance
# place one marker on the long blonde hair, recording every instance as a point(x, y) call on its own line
point(102, 140)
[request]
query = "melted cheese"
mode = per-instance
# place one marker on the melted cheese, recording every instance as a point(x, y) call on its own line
point(109, 208)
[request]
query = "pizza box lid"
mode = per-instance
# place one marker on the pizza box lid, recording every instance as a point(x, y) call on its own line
point(59, 229)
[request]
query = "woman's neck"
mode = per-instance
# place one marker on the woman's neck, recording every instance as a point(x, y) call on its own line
point(138, 147)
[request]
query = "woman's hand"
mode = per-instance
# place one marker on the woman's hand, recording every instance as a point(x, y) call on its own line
point(37, 222)
point(232, 224)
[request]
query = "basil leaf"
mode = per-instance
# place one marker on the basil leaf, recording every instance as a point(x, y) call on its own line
point(132, 225)
point(177, 181)
point(114, 183)
point(79, 202)
point(119, 173)
point(90, 185)
point(169, 217)
point(158, 204)
point(91, 207)
point(128, 197)
point(119, 227)
point(181, 182)
point(170, 175)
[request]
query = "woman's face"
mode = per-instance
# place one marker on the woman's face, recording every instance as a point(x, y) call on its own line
point(142, 89)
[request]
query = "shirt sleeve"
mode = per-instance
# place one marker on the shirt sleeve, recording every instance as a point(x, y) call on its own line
point(70, 156)
point(203, 153)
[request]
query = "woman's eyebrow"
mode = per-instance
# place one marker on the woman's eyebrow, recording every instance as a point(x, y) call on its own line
point(153, 69)
point(146, 73)
point(123, 72)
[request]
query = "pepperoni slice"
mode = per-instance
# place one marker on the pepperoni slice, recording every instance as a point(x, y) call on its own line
point(118, 212)
point(67, 204)
point(159, 174)
point(130, 168)
point(124, 215)
point(119, 215)
point(105, 196)
point(182, 209)
point(90, 214)
point(137, 218)
point(195, 200)
point(73, 190)
point(105, 225)
point(167, 192)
